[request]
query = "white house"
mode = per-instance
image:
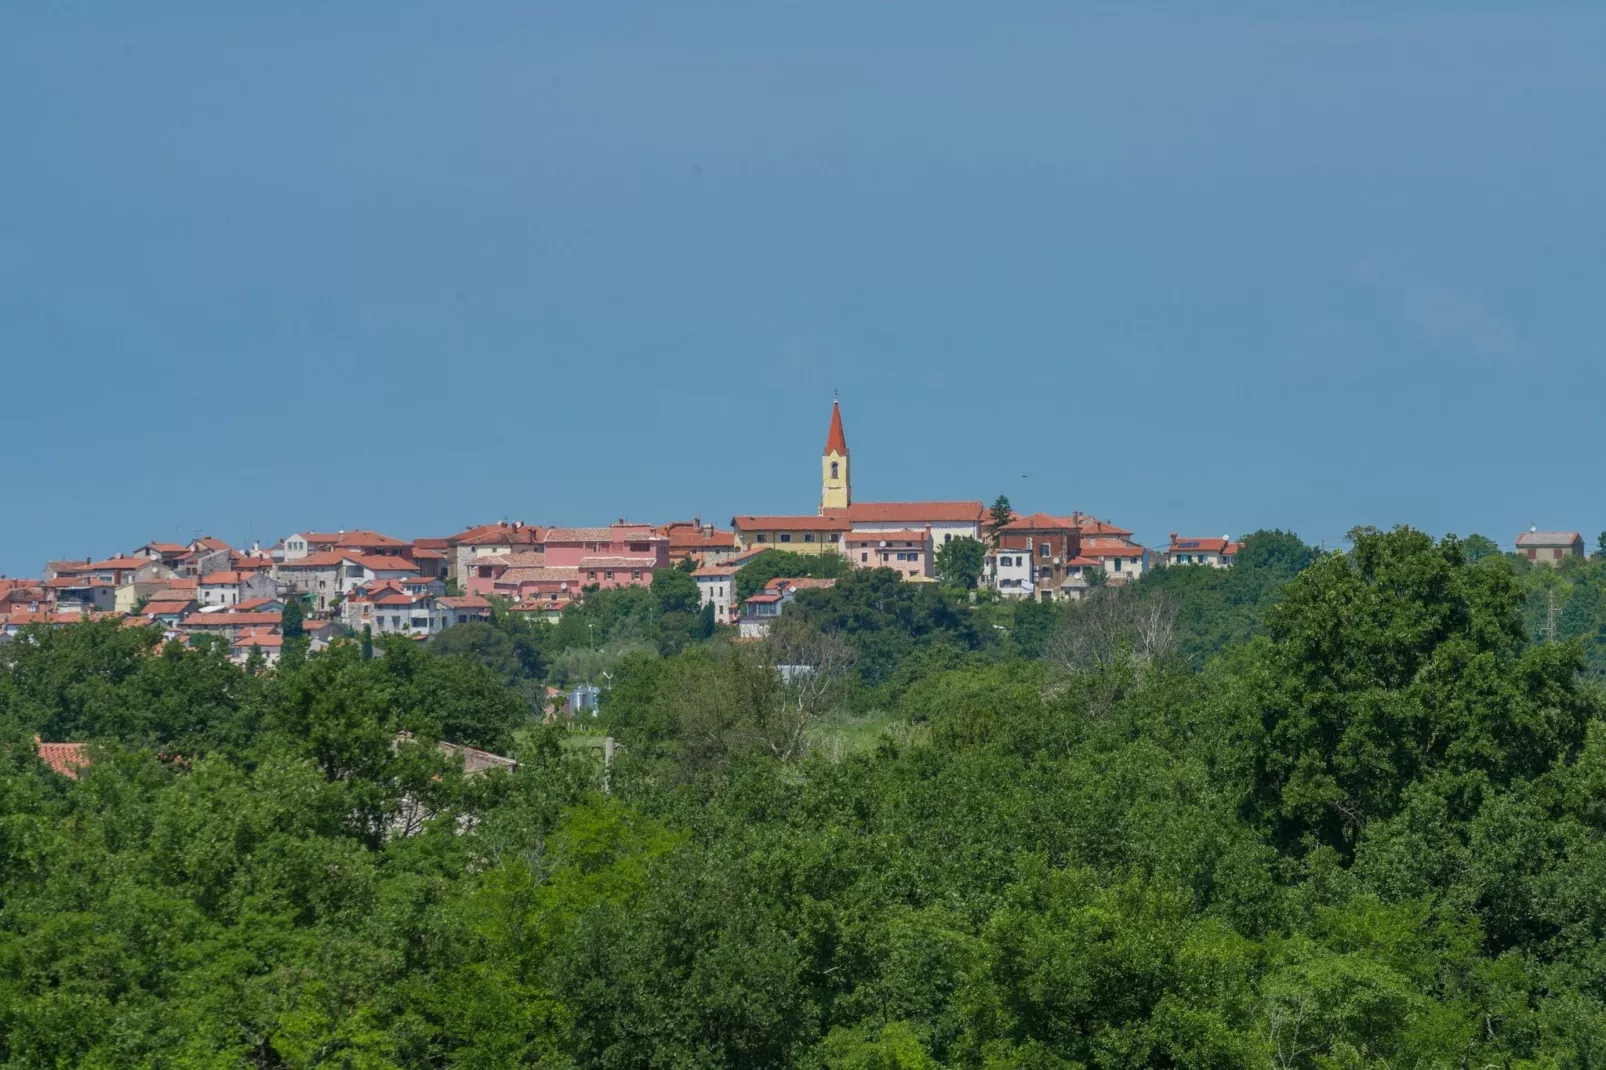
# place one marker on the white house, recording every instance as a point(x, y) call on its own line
point(716, 586)
point(1215, 553)
point(1009, 572)
point(1122, 561)
point(231, 588)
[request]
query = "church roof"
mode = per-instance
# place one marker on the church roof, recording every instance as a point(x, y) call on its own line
point(835, 440)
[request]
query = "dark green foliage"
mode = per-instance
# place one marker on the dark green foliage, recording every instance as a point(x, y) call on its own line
point(290, 624)
point(675, 590)
point(959, 562)
point(1371, 836)
point(773, 564)
point(886, 619)
point(999, 517)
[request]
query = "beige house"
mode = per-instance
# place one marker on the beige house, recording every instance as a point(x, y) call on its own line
point(1550, 547)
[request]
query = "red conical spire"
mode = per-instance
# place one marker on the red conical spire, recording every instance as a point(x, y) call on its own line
point(835, 440)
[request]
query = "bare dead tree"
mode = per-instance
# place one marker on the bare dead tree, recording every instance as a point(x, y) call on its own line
point(813, 667)
point(1105, 640)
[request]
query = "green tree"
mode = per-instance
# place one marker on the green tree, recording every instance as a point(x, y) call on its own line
point(1392, 662)
point(959, 562)
point(999, 517)
point(774, 564)
point(1478, 547)
point(676, 591)
point(290, 624)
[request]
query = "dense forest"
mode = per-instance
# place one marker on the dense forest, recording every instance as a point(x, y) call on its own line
point(1317, 811)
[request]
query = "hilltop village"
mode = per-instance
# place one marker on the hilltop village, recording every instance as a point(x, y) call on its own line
point(360, 581)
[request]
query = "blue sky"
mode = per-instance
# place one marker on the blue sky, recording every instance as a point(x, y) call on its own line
point(416, 267)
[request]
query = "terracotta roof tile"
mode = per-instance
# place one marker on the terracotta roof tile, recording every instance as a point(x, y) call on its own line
point(860, 538)
point(124, 562)
point(64, 758)
point(1548, 538)
point(790, 523)
point(220, 579)
point(915, 512)
point(579, 535)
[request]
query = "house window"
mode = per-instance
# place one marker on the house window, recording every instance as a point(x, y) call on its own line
point(462, 618)
point(809, 537)
point(832, 537)
point(1115, 566)
point(608, 574)
point(592, 574)
point(321, 585)
point(636, 575)
point(1042, 549)
point(786, 536)
point(761, 537)
point(864, 558)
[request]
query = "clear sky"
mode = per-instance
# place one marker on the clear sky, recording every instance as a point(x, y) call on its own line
point(267, 268)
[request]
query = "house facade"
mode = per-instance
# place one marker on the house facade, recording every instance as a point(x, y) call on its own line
point(716, 586)
point(1213, 553)
point(907, 552)
point(230, 588)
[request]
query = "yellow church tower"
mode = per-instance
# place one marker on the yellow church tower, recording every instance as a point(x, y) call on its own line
point(836, 489)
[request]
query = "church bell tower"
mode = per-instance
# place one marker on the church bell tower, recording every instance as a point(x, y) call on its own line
point(836, 489)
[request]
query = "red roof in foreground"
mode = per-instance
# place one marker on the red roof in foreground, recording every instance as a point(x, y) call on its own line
point(64, 758)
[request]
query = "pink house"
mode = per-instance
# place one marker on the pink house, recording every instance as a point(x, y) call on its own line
point(619, 555)
point(908, 551)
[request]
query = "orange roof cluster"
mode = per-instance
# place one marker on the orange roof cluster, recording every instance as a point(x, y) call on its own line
point(501, 534)
point(690, 535)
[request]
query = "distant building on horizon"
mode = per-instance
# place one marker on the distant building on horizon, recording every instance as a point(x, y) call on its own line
point(1550, 547)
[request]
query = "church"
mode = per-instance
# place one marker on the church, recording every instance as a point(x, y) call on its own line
point(899, 535)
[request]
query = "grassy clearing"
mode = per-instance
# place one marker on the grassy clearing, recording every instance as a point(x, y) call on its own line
point(848, 735)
